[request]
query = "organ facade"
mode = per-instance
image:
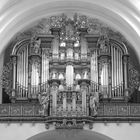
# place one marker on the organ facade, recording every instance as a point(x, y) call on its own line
point(69, 68)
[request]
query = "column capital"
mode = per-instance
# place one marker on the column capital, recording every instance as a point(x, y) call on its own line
point(125, 58)
point(14, 58)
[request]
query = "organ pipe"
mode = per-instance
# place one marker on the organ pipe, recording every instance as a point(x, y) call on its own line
point(83, 90)
point(112, 58)
point(64, 101)
point(69, 75)
point(114, 72)
point(74, 101)
point(94, 70)
point(27, 72)
point(24, 74)
point(54, 90)
point(25, 77)
point(18, 75)
point(14, 59)
point(55, 48)
point(117, 73)
point(83, 48)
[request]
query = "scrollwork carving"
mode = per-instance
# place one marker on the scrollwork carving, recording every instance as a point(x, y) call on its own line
point(134, 78)
point(6, 77)
point(94, 26)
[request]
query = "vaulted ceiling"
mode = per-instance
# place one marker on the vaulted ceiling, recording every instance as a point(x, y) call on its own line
point(17, 15)
point(69, 135)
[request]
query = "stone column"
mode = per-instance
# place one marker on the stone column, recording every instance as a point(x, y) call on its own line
point(29, 78)
point(84, 94)
point(104, 64)
point(74, 101)
point(125, 77)
point(1, 70)
point(54, 93)
point(14, 61)
point(64, 101)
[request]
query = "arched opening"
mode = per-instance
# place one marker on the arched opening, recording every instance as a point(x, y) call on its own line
point(70, 135)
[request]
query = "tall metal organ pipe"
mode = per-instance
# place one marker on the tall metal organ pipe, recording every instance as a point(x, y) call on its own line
point(22, 72)
point(117, 72)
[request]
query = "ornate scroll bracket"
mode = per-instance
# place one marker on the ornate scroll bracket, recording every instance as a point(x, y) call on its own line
point(67, 124)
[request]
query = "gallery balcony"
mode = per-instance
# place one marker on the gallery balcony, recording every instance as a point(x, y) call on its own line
point(107, 112)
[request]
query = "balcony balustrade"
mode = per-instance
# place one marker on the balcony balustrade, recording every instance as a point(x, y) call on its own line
point(119, 112)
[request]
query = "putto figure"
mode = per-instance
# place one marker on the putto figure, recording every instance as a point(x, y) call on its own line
point(44, 100)
point(94, 103)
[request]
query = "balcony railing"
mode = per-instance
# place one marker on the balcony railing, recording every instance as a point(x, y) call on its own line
point(106, 112)
point(81, 58)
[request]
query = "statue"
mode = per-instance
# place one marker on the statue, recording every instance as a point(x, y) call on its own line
point(54, 75)
point(44, 101)
point(94, 103)
point(103, 44)
point(78, 76)
point(37, 46)
point(61, 87)
point(85, 75)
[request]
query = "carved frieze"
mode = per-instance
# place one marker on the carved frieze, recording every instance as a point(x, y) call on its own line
point(123, 110)
point(4, 110)
point(110, 110)
point(28, 110)
point(105, 111)
point(135, 110)
point(15, 110)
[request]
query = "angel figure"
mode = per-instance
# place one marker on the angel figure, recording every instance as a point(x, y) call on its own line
point(37, 46)
point(94, 103)
point(103, 42)
point(44, 101)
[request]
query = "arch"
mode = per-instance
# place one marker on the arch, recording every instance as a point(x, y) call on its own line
point(73, 134)
point(121, 45)
point(18, 45)
point(120, 15)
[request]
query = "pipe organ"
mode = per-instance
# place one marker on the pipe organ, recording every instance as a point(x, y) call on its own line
point(70, 65)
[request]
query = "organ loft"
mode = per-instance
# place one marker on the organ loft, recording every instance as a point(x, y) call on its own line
point(69, 68)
